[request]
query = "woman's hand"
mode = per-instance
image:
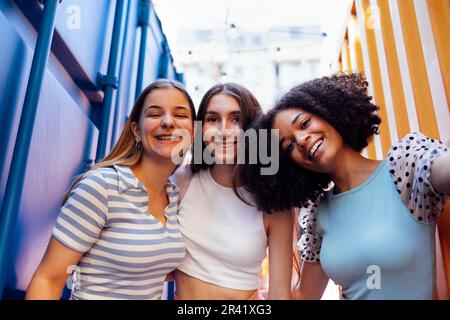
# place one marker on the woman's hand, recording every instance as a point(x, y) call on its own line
point(313, 282)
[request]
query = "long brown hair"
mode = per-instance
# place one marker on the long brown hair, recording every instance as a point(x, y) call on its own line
point(124, 152)
point(248, 104)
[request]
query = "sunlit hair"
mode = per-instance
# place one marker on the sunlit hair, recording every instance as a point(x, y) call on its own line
point(248, 104)
point(125, 151)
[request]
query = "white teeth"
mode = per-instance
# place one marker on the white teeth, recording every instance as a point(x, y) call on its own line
point(314, 148)
point(168, 138)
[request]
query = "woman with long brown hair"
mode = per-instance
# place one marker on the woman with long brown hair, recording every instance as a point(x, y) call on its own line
point(118, 225)
point(226, 238)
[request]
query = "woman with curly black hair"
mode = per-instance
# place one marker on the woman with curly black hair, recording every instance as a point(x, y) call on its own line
point(368, 225)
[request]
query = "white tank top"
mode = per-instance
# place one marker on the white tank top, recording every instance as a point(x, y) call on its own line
point(225, 238)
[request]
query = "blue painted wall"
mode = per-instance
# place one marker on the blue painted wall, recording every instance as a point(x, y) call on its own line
point(66, 129)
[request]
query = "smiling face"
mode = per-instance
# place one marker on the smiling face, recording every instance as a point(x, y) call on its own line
point(165, 115)
point(310, 141)
point(221, 127)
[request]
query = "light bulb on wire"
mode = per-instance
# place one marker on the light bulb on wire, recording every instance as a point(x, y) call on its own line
point(233, 33)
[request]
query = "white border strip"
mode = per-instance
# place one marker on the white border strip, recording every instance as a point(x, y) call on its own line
point(368, 70)
point(352, 26)
point(433, 68)
point(340, 42)
point(385, 75)
point(403, 63)
point(345, 58)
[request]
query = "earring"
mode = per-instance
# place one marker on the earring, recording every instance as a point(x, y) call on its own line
point(138, 144)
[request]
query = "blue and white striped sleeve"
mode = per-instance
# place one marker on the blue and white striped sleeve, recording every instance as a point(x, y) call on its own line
point(83, 216)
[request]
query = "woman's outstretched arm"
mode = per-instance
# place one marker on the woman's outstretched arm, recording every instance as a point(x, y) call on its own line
point(440, 173)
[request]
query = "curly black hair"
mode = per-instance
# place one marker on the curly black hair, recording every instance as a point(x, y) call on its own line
point(340, 99)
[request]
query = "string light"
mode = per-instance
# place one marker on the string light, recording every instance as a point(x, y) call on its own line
point(277, 49)
point(233, 33)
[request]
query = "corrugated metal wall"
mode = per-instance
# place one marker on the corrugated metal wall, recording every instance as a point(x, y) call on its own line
point(65, 133)
point(402, 46)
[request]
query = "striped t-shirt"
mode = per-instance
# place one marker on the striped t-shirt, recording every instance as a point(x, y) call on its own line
point(127, 252)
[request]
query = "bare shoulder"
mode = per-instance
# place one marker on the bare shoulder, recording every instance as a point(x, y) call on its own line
point(182, 178)
point(279, 220)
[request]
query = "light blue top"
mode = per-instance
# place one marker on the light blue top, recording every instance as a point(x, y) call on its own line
point(372, 246)
point(377, 241)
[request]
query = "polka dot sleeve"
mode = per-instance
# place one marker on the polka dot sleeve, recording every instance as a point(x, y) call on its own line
point(310, 241)
point(410, 166)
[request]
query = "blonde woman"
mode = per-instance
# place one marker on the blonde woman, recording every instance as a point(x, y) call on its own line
point(118, 226)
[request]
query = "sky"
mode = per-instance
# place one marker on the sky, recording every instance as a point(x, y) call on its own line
point(260, 14)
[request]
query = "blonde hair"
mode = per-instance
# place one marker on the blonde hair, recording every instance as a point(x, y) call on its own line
point(125, 151)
